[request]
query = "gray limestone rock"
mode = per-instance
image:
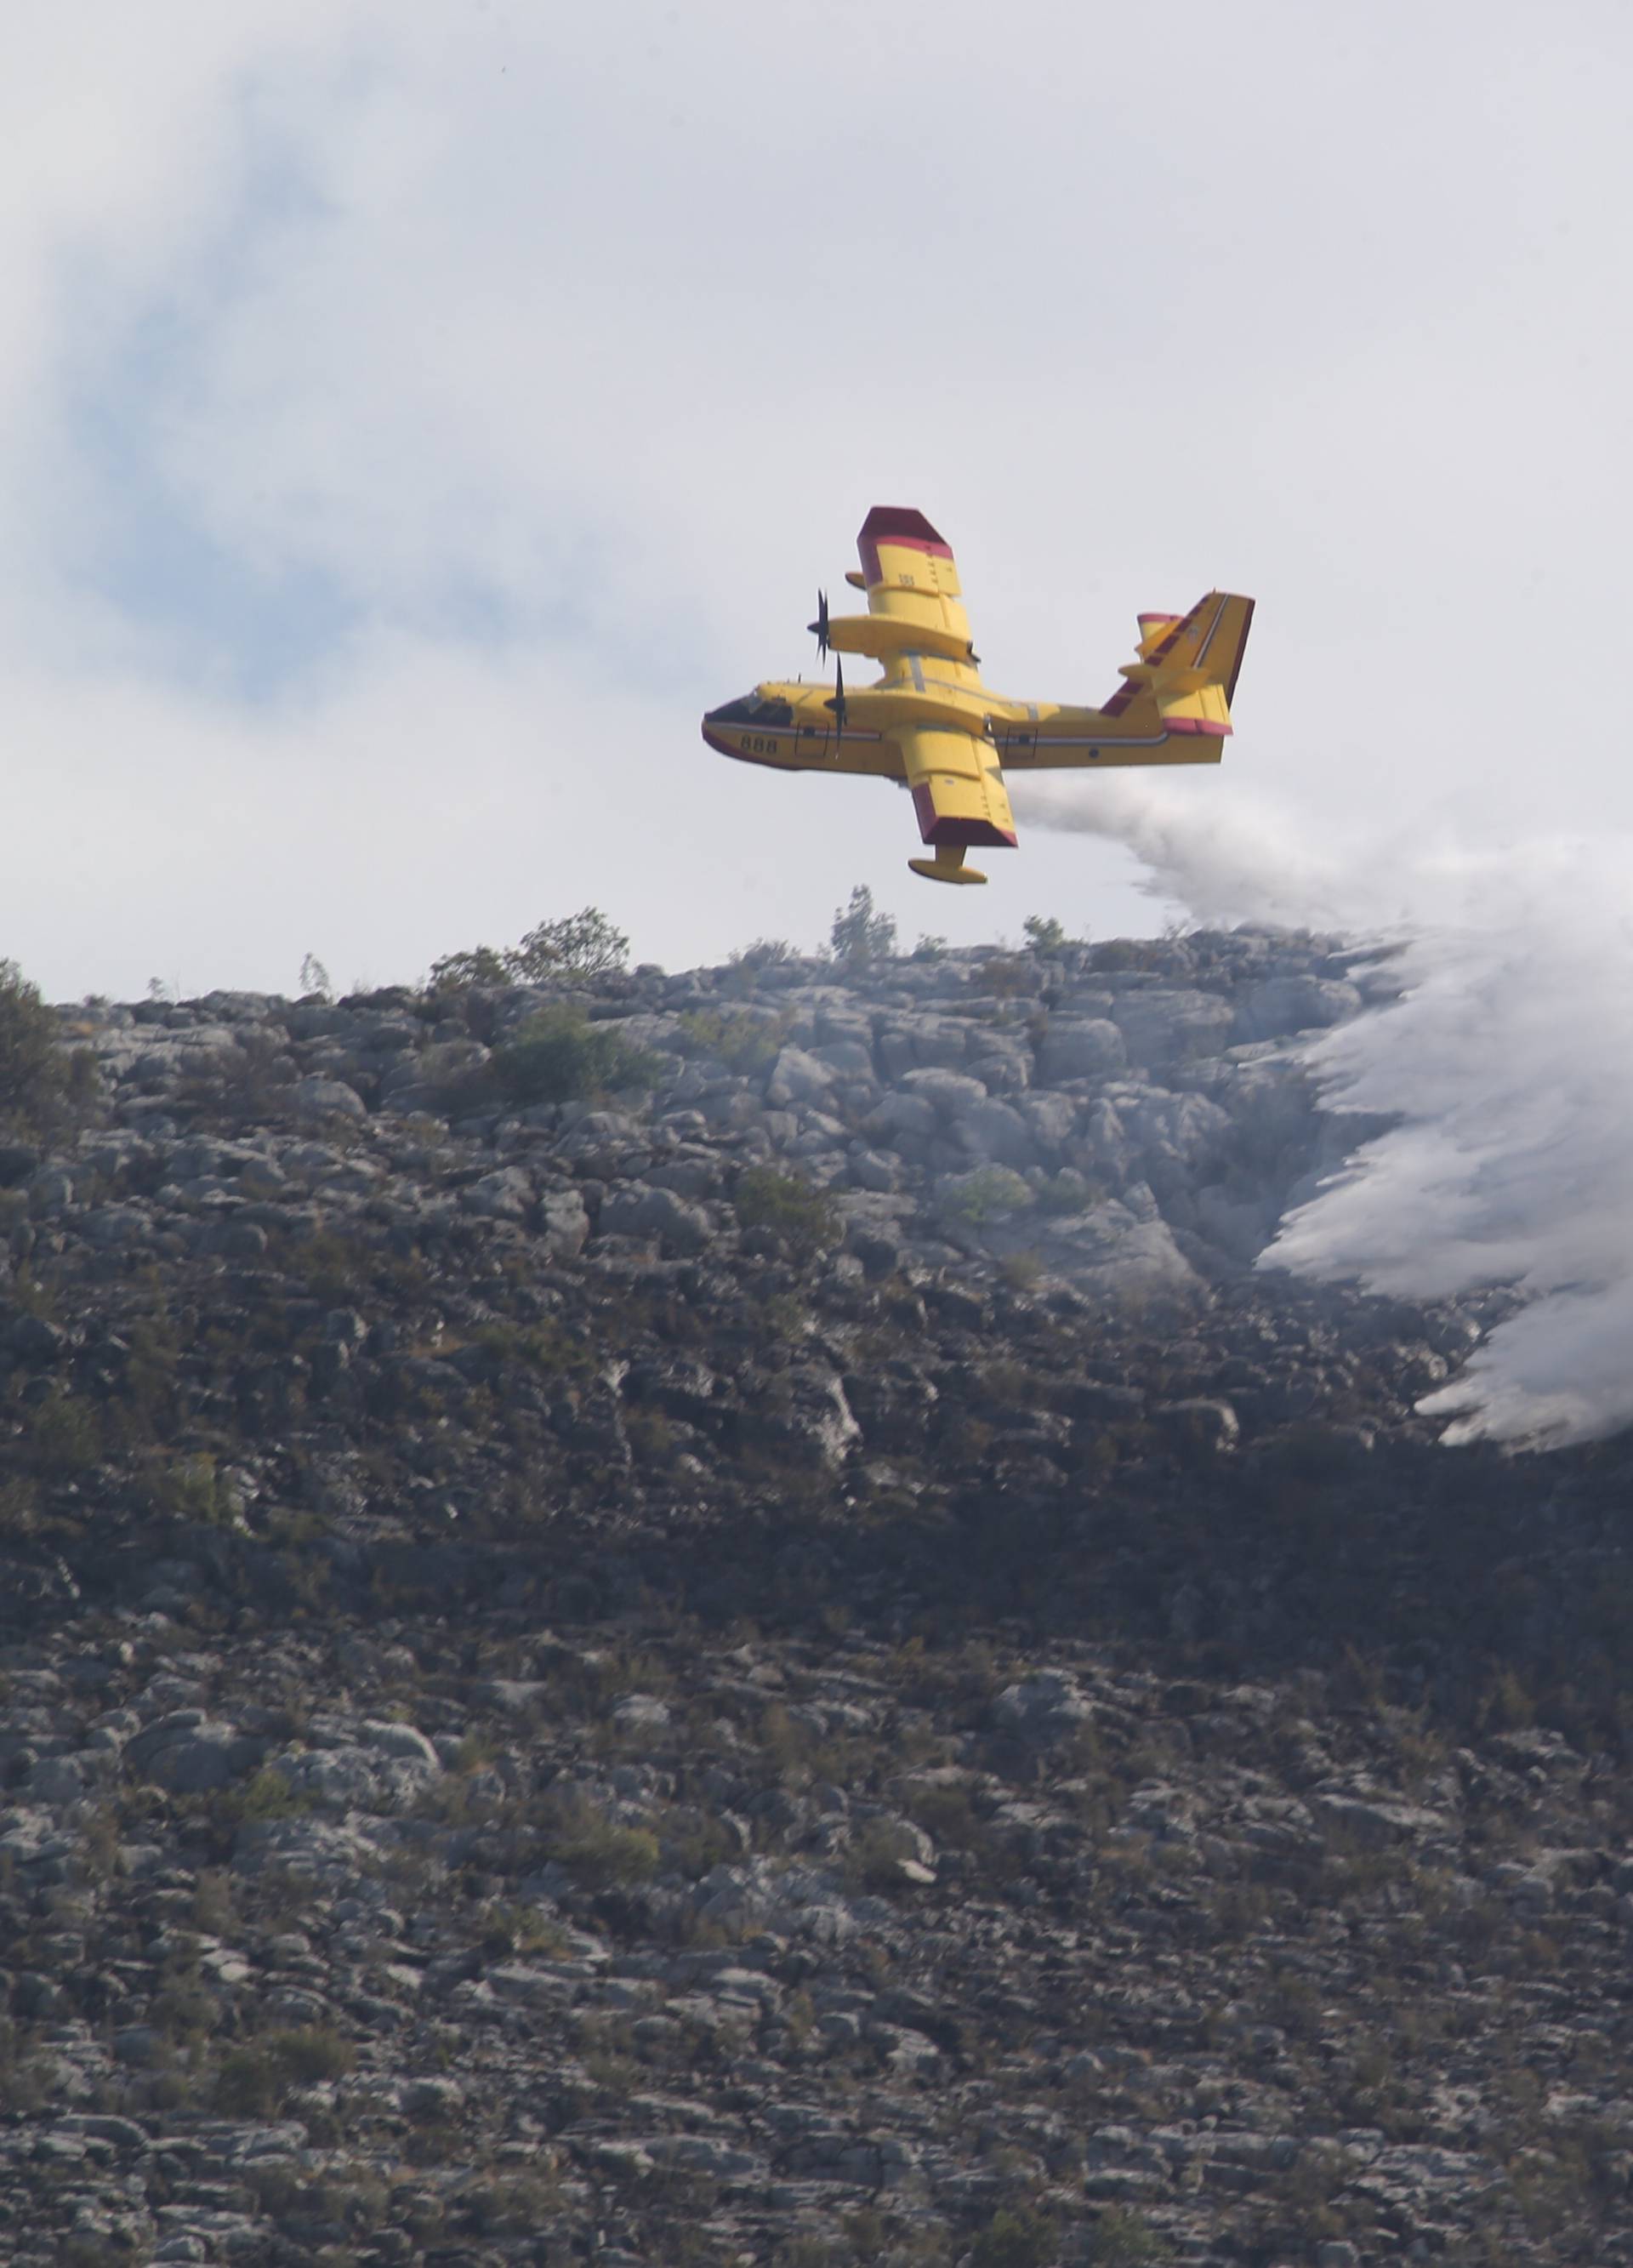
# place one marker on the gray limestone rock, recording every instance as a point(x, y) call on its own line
point(930, 1040)
point(190, 1753)
point(1120, 1252)
point(402, 1742)
point(1163, 1026)
point(318, 1098)
point(995, 1133)
point(506, 1194)
point(1081, 1047)
point(564, 1224)
point(949, 1093)
point(639, 1210)
point(1283, 1005)
point(900, 1115)
point(797, 1077)
point(55, 1780)
point(1043, 1712)
point(1197, 1425)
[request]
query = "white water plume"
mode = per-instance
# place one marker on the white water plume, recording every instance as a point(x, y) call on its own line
point(1507, 1063)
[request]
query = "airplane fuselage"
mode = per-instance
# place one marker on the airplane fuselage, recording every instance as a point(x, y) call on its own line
point(791, 727)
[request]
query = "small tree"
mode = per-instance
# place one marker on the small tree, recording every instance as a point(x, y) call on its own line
point(1043, 935)
point(42, 1084)
point(579, 945)
point(764, 952)
point(860, 935)
point(583, 944)
point(481, 965)
point(805, 1217)
point(314, 977)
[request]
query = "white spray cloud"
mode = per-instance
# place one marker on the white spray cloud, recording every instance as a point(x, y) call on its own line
point(1507, 1063)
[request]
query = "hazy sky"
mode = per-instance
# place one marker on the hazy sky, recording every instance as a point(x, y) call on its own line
point(415, 412)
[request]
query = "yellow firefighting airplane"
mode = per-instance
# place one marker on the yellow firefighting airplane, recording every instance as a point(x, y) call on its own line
point(929, 723)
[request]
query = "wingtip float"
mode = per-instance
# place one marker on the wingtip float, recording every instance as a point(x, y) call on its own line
point(929, 722)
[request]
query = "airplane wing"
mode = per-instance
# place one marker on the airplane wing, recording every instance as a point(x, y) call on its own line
point(958, 789)
point(920, 633)
point(912, 579)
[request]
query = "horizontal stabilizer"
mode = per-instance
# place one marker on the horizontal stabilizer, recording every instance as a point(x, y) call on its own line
point(1189, 665)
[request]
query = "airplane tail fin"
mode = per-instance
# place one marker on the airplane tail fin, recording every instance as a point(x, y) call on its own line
point(1189, 664)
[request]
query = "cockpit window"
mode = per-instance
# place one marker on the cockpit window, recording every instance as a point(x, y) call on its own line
point(752, 709)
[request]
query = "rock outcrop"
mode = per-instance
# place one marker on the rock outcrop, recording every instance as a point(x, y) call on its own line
point(796, 1663)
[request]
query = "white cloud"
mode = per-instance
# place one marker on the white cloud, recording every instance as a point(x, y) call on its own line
point(516, 375)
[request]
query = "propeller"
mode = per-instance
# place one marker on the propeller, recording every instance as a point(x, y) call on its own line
point(837, 704)
point(818, 630)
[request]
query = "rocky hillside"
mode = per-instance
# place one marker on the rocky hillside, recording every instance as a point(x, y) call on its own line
point(712, 1618)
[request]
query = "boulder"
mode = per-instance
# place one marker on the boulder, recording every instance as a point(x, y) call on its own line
point(1121, 1253)
point(996, 1133)
point(190, 1754)
point(564, 1224)
point(1171, 1026)
point(928, 1040)
point(797, 1077)
point(326, 1098)
point(948, 1093)
point(1044, 1711)
point(505, 1195)
point(1285, 1005)
point(640, 1210)
point(1080, 1047)
point(1197, 1425)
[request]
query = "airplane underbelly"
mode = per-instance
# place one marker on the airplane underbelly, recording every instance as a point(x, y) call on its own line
point(796, 750)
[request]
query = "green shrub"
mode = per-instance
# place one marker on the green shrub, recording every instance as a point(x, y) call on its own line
point(1022, 1272)
point(559, 1055)
point(1122, 2239)
point(1004, 976)
point(268, 1795)
point(986, 1195)
point(807, 1219)
point(194, 1488)
point(764, 952)
point(604, 1856)
point(67, 1433)
point(742, 1042)
point(1014, 2240)
point(579, 945)
point(583, 944)
point(547, 1346)
point(43, 1084)
point(1043, 935)
point(255, 2081)
point(481, 965)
